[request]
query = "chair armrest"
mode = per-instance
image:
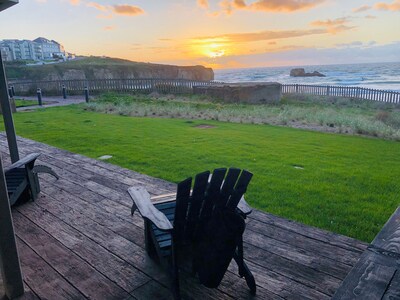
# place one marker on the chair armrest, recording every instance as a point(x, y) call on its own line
point(244, 207)
point(22, 162)
point(142, 202)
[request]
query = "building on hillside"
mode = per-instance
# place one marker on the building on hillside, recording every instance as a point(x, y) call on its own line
point(50, 48)
point(36, 50)
point(6, 53)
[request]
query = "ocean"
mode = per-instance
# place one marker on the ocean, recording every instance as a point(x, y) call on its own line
point(383, 76)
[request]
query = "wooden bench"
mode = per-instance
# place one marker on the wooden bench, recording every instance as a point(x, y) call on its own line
point(377, 273)
point(22, 179)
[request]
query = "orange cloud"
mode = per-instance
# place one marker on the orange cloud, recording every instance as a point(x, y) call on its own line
point(370, 17)
point(97, 6)
point(74, 2)
point(361, 8)
point(125, 9)
point(109, 28)
point(226, 6)
point(277, 5)
point(329, 22)
point(202, 3)
point(333, 26)
point(128, 10)
point(258, 36)
point(394, 6)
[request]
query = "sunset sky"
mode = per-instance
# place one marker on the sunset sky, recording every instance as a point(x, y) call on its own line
point(219, 34)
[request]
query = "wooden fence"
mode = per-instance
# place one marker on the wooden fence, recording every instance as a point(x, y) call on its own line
point(343, 91)
point(180, 86)
point(173, 86)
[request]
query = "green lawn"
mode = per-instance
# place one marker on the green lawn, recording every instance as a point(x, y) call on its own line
point(346, 184)
point(23, 103)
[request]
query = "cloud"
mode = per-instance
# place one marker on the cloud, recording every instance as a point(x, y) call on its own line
point(330, 23)
point(348, 45)
point(127, 10)
point(277, 5)
point(97, 6)
point(287, 6)
point(370, 17)
point(258, 36)
point(109, 28)
point(110, 10)
point(226, 6)
point(334, 26)
point(361, 8)
point(394, 6)
point(75, 2)
point(202, 3)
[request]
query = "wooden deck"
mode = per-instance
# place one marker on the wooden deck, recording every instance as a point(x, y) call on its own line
point(79, 241)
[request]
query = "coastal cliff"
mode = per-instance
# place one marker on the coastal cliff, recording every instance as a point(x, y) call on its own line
point(105, 68)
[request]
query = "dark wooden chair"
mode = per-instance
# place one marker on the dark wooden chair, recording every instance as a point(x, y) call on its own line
point(22, 179)
point(171, 226)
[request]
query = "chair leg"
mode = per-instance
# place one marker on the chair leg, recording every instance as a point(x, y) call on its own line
point(244, 270)
point(148, 240)
point(175, 273)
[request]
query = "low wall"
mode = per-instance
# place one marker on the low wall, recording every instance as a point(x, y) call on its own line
point(251, 92)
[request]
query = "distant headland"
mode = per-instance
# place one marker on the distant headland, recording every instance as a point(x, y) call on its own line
point(87, 68)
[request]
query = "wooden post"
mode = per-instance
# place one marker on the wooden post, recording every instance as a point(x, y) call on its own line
point(39, 96)
point(7, 115)
point(64, 91)
point(9, 260)
point(86, 94)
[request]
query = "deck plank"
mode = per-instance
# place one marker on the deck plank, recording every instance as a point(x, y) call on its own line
point(112, 267)
point(82, 241)
point(84, 277)
point(46, 281)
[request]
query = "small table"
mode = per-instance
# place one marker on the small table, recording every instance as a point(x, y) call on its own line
point(377, 273)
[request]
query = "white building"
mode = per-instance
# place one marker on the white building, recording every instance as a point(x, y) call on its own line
point(50, 48)
point(37, 50)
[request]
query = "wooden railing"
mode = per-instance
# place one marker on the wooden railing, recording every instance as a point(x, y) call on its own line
point(343, 91)
point(173, 86)
point(181, 86)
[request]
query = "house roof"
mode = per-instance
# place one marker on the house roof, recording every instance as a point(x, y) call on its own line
point(4, 4)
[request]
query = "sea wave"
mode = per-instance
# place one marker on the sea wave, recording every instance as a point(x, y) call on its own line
point(375, 75)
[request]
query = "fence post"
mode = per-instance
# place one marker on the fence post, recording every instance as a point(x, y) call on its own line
point(39, 96)
point(86, 94)
point(328, 90)
point(64, 91)
point(13, 90)
point(297, 88)
point(10, 92)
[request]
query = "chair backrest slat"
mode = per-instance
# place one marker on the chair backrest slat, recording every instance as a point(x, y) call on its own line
point(196, 201)
point(182, 201)
point(213, 192)
point(240, 189)
point(228, 187)
point(210, 194)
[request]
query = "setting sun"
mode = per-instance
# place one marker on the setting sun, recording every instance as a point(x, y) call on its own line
point(214, 50)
